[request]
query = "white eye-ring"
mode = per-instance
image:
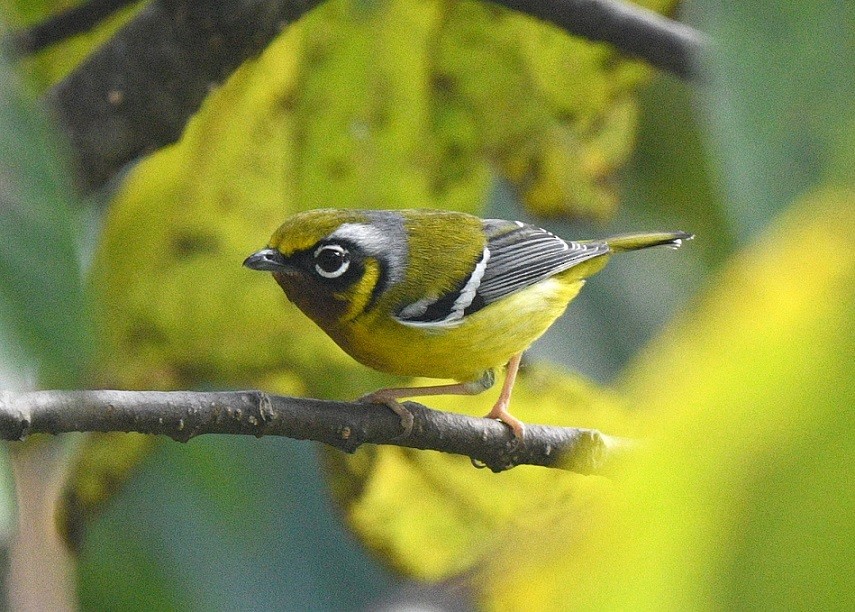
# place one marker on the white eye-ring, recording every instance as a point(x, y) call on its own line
point(331, 260)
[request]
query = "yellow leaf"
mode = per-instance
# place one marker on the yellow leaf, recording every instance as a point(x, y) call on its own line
point(367, 130)
point(744, 498)
point(555, 114)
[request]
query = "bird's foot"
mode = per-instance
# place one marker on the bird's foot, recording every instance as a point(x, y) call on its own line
point(517, 427)
point(390, 401)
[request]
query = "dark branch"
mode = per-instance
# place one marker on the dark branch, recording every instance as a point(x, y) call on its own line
point(182, 415)
point(136, 93)
point(632, 29)
point(65, 24)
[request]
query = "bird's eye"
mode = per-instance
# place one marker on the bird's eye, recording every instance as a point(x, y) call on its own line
point(331, 260)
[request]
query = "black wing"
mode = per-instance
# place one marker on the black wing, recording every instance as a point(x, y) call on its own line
point(522, 255)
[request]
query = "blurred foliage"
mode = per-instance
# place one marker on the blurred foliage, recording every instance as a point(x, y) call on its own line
point(742, 497)
point(43, 314)
point(101, 464)
point(780, 114)
point(226, 523)
point(52, 64)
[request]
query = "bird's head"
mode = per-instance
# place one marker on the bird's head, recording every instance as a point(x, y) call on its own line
point(334, 264)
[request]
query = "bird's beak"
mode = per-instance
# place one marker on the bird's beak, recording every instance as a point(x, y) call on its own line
point(267, 260)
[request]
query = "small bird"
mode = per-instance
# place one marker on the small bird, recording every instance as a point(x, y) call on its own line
point(434, 293)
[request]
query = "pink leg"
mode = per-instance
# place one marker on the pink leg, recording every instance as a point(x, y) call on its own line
point(390, 397)
point(500, 410)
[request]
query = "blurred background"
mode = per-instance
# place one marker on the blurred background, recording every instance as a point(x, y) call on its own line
point(734, 353)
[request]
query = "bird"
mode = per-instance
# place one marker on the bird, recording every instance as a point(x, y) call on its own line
point(435, 293)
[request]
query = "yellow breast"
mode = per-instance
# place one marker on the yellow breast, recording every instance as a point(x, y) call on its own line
point(481, 341)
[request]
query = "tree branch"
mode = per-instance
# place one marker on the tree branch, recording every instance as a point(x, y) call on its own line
point(65, 24)
point(632, 29)
point(183, 415)
point(136, 93)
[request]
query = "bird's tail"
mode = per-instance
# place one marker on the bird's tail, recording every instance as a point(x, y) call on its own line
point(633, 242)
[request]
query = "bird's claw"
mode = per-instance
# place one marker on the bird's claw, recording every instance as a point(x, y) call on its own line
point(517, 434)
point(395, 406)
point(517, 427)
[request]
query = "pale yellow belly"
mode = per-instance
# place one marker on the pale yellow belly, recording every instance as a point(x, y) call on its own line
point(484, 340)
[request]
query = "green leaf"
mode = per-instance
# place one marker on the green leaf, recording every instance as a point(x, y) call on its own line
point(43, 312)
